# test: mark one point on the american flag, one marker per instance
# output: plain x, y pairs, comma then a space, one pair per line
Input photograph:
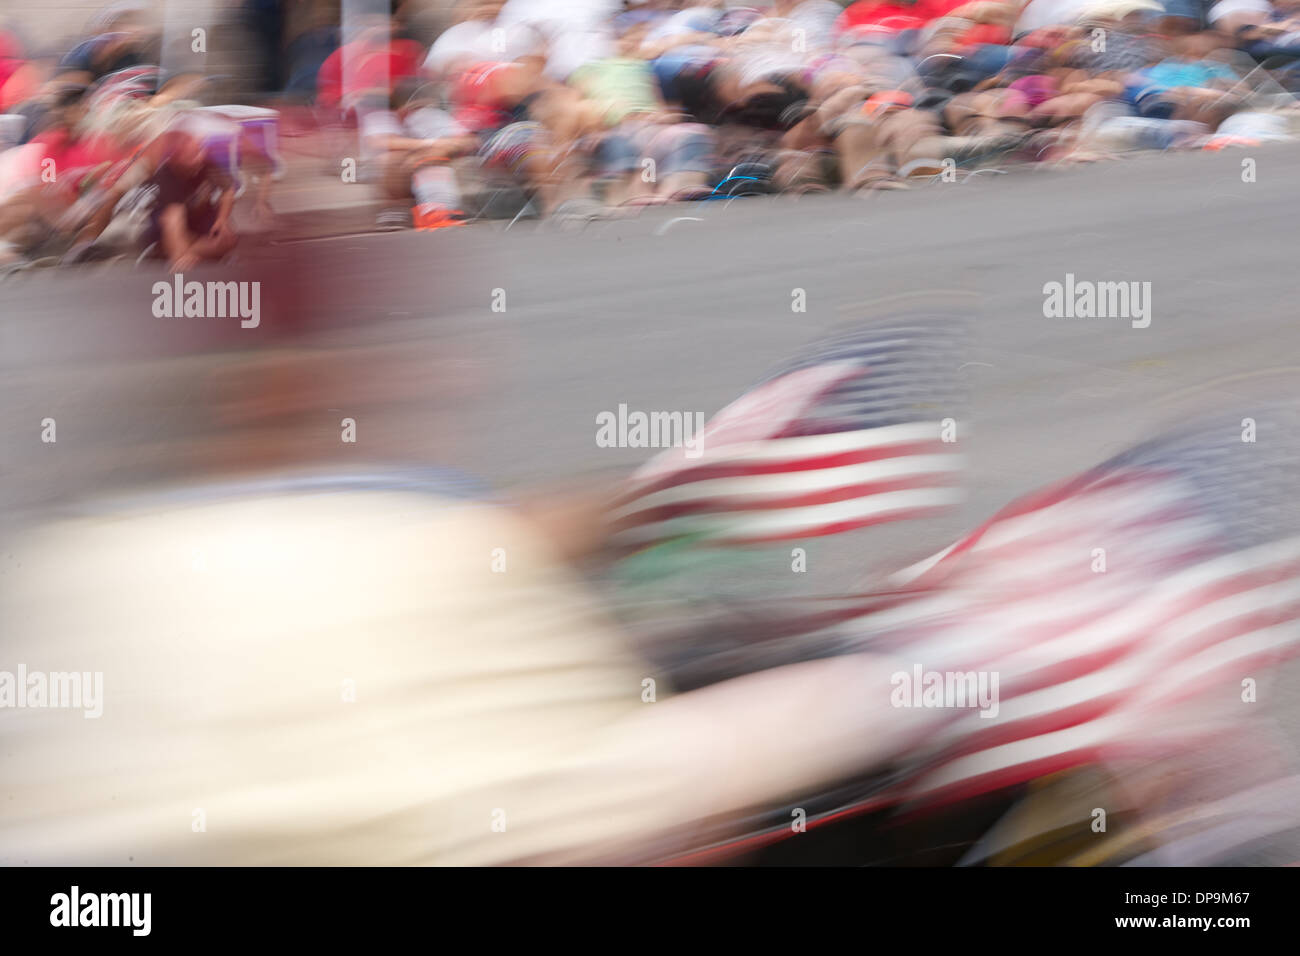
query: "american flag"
1121, 610
852, 433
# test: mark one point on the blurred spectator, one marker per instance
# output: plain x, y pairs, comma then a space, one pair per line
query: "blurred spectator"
190, 222
590, 104
380, 60
120, 40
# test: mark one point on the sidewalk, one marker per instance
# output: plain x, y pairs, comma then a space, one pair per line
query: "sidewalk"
312, 199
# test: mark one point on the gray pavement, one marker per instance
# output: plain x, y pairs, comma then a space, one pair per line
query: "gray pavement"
665, 314
682, 308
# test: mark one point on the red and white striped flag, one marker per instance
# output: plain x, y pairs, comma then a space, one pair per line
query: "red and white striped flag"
851, 434
1120, 612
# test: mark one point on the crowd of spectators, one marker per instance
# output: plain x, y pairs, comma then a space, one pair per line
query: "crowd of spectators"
594, 105
605, 103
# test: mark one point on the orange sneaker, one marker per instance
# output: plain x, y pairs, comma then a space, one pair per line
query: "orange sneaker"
429, 216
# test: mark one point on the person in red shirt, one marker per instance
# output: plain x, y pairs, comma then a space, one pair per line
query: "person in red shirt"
19, 78
77, 159
381, 61
893, 14
72, 169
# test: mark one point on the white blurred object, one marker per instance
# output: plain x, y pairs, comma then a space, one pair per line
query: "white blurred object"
1262, 127
11, 129
1225, 8
1048, 13
481, 41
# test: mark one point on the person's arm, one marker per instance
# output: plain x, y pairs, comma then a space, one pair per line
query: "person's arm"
462, 144
653, 49
457, 145
789, 730
176, 238
401, 144
224, 208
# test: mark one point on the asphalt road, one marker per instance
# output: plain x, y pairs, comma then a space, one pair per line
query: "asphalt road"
682, 308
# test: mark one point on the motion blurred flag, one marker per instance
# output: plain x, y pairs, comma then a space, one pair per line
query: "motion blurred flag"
1120, 611
859, 430
1117, 618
